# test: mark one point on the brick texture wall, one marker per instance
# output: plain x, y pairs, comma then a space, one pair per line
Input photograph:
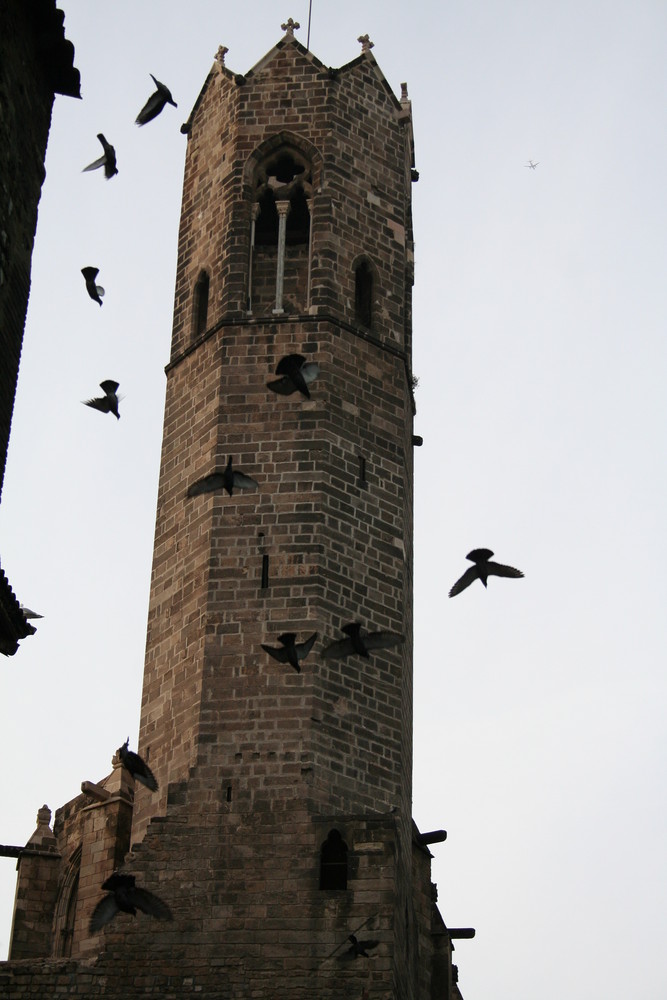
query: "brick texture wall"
338, 551
249, 917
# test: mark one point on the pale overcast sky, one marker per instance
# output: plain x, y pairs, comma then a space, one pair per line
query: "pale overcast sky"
540, 322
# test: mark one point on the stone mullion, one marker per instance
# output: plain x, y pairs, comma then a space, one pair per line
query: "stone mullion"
282, 208
309, 203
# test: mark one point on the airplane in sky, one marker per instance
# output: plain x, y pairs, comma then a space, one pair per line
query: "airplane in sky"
531, 165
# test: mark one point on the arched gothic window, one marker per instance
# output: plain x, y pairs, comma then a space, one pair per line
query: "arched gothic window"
280, 232
283, 177
333, 862
63, 924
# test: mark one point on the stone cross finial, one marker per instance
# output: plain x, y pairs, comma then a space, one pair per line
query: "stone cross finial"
289, 27
366, 43
221, 53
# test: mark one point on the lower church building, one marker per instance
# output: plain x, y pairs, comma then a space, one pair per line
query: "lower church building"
270, 850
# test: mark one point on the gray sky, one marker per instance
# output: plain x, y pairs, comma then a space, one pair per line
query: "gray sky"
539, 342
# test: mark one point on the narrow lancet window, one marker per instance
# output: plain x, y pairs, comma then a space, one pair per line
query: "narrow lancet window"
298, 220
266, 226
363, 294
333, 862
201, 304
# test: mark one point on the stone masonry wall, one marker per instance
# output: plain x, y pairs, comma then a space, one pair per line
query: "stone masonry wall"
36, 892
175, 638
249, 918
337, 552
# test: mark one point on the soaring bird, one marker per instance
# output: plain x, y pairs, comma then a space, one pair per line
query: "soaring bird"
137, 767
227, 479
124, 896
109, 402
155, 103
95, 291
358, 643
360, 947
482, 570
292, 651
297, 374
108, 160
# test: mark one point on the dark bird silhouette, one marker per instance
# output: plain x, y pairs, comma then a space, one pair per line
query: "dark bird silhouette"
137, 767
297, 374
155, 103
358, 948
361, 644
95, 291
126, 897
108, 160
227, 479
109, 402
292, 651
482, 570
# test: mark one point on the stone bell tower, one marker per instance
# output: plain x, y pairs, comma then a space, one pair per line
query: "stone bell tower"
282, 824
295, 238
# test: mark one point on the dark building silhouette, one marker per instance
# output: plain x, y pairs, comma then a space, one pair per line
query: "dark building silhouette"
36, 62
282, 823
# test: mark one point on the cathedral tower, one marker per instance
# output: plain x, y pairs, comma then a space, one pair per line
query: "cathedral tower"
282, 824
295, 239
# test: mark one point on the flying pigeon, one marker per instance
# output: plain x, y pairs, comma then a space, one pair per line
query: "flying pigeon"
356, 643
292, 651
297, 374
226, 480
95, 291
109, 402
137, 767
108, 161
155, 103
482, 570
360, 947
124, 896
